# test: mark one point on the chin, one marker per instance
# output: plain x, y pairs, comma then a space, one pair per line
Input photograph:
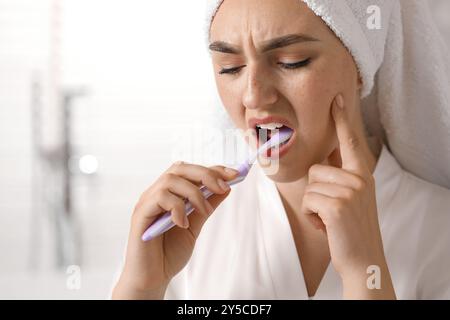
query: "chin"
289, 168
285, 175
293, 165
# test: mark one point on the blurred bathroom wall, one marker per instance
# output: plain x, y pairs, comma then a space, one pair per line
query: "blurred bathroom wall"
108, 84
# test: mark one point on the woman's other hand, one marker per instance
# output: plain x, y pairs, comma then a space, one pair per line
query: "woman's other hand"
340, 199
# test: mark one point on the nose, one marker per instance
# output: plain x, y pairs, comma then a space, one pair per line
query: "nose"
260, 91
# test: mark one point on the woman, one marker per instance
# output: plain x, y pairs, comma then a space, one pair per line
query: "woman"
339, 219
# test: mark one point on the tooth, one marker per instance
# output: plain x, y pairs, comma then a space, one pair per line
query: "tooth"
270, 126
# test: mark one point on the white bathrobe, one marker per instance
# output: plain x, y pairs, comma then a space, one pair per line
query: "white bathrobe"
246, 249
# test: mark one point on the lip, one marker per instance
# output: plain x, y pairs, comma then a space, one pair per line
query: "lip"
277, 153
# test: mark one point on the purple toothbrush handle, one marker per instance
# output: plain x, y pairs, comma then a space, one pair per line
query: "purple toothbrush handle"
164, 222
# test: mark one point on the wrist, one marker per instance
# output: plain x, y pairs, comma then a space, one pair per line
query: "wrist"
127, 290
368, 281
359, 266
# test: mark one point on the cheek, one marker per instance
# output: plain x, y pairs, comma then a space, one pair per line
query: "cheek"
229, 95
311, 97
311, 94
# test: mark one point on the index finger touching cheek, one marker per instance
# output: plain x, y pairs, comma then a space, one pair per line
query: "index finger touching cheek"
349, 140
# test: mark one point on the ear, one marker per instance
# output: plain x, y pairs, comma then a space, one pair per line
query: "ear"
360, 83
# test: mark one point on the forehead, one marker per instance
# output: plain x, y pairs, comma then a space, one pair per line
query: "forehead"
263, 19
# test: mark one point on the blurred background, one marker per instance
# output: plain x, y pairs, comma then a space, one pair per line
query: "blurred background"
95, 97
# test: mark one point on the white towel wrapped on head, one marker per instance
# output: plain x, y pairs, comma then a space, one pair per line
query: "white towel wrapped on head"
406, 77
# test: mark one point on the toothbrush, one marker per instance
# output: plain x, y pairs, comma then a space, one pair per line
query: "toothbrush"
164, 222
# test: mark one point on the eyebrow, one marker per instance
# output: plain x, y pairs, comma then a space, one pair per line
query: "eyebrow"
272, 44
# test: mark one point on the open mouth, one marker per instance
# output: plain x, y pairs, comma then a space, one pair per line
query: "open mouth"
264, 132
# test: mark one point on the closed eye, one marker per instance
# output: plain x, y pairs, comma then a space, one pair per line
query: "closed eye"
288, 66
295, 65
231, 70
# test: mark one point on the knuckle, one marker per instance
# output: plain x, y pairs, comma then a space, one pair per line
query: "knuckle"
216, 168
211, 173
159, 194
143, 199
339, 208
313, 169
212, 181
360, 184
168, 178
311, 187
178, 206
306, 198
353, 142
195, 195
178, 163
349, 194
203, 171
137, 206
176, 166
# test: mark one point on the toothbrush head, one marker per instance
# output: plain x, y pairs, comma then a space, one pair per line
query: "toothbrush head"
282, 135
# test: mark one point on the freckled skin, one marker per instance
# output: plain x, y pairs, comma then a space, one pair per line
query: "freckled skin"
262, 87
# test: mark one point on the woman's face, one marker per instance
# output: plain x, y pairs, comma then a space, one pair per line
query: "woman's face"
294, 80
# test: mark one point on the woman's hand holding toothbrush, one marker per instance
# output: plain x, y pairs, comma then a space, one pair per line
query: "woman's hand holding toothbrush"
149, 266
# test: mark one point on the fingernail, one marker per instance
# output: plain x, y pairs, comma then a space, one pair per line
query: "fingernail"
223, 185
340, 101
231, 171
185, 222
209, 207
